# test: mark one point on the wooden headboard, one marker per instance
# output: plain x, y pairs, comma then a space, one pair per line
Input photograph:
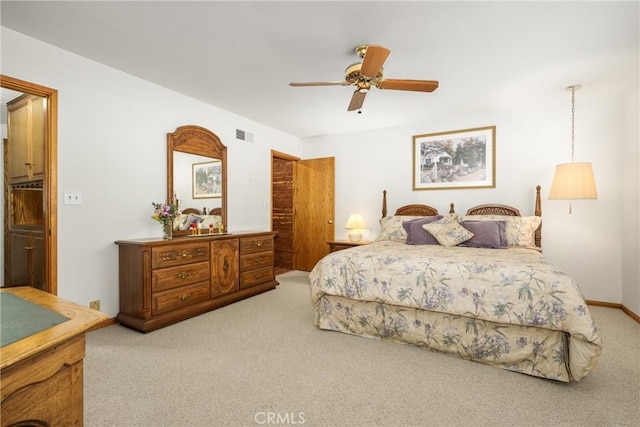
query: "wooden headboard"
488, 209
214, 211
411, 210
497, 209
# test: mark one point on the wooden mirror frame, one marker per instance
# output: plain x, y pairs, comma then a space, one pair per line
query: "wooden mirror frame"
202, 142
50, 178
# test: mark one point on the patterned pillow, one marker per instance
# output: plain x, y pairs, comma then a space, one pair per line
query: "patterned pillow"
190, 220
207, 220
391, 228
416, 235
448, 231
520, 229
178, 221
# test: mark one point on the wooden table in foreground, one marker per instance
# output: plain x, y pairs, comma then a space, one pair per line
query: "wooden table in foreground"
41, 375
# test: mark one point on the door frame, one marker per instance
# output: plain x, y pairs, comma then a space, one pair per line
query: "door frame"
50, 178
296, 175
286, 157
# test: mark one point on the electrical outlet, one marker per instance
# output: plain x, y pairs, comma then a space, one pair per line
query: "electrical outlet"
94, 305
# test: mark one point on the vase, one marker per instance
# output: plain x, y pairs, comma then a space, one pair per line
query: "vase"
167, 231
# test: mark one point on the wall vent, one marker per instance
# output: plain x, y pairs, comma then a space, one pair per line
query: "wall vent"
244, 136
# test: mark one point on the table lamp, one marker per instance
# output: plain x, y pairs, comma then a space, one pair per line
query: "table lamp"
355, 225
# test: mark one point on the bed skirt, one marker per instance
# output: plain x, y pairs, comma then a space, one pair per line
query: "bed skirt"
533, 351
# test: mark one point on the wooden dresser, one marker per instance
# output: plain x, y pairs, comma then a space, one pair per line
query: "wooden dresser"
165, 281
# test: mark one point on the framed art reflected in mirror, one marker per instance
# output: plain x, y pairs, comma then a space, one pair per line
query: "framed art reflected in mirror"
207, 180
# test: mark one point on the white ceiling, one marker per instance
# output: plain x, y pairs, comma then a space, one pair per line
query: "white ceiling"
240, 56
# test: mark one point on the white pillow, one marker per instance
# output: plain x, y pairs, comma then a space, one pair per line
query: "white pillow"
520, 229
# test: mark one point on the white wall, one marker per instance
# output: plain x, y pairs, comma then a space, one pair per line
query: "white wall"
631, 205
530, 142
112, 146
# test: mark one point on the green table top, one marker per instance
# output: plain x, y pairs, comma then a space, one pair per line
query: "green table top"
20, 318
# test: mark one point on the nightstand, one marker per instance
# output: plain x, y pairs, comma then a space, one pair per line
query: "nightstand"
338, 245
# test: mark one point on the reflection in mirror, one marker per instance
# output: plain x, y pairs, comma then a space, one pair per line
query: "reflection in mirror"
190, 178
196, 176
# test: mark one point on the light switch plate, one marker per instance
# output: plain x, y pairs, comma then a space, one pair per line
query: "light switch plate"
72, 197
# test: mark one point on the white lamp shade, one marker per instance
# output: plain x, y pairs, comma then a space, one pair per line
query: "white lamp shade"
573, 181
355, 221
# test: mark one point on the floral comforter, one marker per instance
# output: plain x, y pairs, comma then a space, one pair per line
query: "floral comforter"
514, 297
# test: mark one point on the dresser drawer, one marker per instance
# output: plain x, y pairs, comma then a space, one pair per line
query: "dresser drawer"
182, 275
169, 256
256, 244
178, 298
259, 259
255, 277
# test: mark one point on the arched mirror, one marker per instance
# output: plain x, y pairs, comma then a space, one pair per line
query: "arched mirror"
197, 177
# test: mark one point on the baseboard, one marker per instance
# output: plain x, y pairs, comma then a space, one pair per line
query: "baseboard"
104, 324
622, 307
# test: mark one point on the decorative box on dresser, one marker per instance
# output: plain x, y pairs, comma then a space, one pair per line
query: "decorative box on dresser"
165, 281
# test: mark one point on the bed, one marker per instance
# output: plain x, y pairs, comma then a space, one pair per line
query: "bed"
495, 300
202, 218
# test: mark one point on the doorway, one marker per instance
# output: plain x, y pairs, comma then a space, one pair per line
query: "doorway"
302, 209
35, 192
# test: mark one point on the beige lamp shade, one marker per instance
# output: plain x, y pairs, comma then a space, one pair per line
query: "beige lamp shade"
573, 181
355, 224
355, 221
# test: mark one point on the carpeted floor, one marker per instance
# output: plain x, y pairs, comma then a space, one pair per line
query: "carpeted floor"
262, 361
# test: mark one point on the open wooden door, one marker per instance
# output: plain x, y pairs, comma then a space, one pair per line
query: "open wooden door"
42, 264
314, 210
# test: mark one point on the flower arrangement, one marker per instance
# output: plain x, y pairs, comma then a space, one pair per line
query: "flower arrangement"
165, 213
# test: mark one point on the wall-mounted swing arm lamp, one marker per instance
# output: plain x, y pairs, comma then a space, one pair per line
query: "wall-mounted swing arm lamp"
574, 180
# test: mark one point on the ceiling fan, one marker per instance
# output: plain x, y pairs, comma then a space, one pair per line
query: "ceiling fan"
368, 73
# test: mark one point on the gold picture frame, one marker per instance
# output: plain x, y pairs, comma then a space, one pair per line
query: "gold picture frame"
456, 159
207, 180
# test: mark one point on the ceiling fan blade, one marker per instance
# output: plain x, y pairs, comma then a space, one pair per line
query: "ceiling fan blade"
357, 100
319, 84
414, 85
373, 60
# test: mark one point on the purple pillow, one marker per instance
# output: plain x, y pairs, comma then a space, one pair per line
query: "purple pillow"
416, 235
486, 234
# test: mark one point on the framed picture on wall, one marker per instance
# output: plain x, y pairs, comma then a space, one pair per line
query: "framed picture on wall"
455, 159
207, 180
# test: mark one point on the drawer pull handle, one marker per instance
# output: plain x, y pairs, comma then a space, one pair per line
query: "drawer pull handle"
259, 243
184, 253
184, 275
184, 297
29, 248
226, 267
258, 276
258, 260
